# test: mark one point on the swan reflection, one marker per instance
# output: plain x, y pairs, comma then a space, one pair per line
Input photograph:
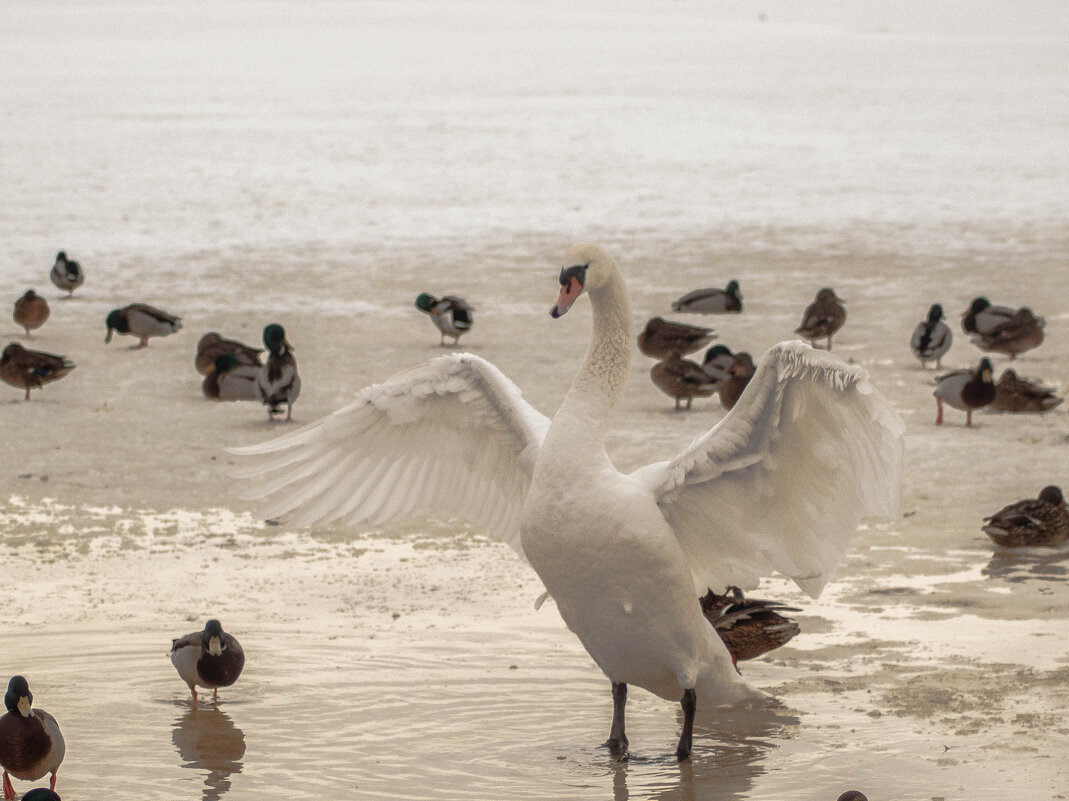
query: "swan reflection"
208, 740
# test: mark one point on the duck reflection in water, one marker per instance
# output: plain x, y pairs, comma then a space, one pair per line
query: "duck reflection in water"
741, 737
207, 740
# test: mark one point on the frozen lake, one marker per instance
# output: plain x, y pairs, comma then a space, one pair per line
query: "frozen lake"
320, 164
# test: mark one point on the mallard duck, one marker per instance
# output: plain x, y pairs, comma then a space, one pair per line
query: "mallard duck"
932, 337
31, 311
711, 301
452, 315
41, 794
210, 658
31, 743
1023, 331
853, 795
1013, 394
718, 362
981, 317
142, 320
823, 317
619, 554
749, 627
67, 273
231, 380
278, 381
1042, 521
661, 338
965, 390
739, 375
681, 378
30, 369
211, 346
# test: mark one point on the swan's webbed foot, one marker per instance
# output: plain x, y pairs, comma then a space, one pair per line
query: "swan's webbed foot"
689, 702
617, 742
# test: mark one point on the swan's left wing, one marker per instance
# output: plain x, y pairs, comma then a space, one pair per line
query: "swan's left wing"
782, 481
454, 436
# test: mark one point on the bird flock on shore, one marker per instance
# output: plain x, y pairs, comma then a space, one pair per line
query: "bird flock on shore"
31, 745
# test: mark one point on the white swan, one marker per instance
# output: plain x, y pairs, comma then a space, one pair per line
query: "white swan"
778, 485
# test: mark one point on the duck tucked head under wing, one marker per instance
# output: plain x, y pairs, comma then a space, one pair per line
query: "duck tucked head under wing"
454, 435
781, 482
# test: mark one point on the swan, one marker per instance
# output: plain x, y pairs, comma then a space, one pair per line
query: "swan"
778, 485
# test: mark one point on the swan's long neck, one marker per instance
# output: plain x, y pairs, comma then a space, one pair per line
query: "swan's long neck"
600, 381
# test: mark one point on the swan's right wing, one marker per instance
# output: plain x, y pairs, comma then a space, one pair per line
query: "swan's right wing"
454, 436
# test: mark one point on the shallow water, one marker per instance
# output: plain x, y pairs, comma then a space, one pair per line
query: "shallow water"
254, 162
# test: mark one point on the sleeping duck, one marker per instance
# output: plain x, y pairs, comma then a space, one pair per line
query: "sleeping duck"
681, 378
749, 627
718, 362
661, 338
1013, 394
452, 315
981, 317
278, 382
143, 321
965, 390
823, 317
31, 311
31, 743
211, 346
711, 301
30, 369
231, 380
67, 273
1042, 521
210, 658
1023, 331
932, 337
742, 370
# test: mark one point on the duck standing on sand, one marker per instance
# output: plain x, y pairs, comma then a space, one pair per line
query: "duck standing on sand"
1013, 394
31, 311
67, 273
143, 321
965, 390
31, 743
1042, 521
681, 378
981, 317
452, 315
620, 554
210, 658
932, 337
230, 380
661, 338
278, 382
1019, 333
711, 301
749, 627
211, 346
823, 317
30, 369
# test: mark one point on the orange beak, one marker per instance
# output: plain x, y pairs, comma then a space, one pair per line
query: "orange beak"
568, 293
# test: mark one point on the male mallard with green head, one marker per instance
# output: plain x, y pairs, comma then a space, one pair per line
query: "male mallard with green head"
66, 273
711, 301
965, 390
210, 658
452, 315
932, 337
31, 743
211, 346
278, 382
142, 321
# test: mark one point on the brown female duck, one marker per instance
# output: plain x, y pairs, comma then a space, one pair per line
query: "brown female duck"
1014, 394
211, 346
31, 311
740, 374
1042, 521
823, 317
1016, 335
30, 369
660, 338
749, 627
681, 378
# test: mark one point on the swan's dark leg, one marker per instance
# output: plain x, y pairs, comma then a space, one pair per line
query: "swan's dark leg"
617, 741
689, 703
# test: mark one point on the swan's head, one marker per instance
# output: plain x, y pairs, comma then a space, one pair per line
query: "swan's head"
586, 268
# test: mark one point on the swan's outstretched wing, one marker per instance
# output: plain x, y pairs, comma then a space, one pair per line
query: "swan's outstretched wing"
781, 482
452, 436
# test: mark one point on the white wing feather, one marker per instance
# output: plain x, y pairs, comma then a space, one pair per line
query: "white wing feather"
782, 481
453, 436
